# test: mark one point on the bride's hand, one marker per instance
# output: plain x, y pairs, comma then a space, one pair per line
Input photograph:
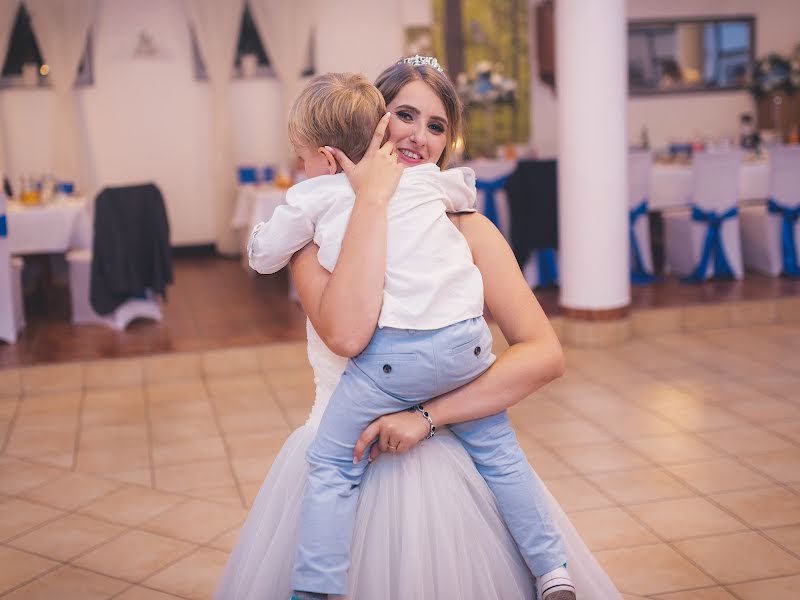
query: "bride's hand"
395, 433
377, 174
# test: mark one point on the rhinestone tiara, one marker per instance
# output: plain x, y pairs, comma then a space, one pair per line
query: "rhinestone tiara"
418, 61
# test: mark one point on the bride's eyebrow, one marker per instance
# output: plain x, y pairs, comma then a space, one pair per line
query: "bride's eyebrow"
415, 110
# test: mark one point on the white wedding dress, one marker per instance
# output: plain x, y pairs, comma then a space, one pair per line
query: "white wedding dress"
427, 527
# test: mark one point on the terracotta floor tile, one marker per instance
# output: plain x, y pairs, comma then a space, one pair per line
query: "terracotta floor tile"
130, 505
194, 576
113, 373
675, 449
788, 429
685, 518
111, 460
121, 435
766, 410
184, 428
34, 442
19, 567
667, 570
256, 444
609, 528
634, 424
703, 417
18, 476
565, 433
227, 541
763, 507
788, 537
10, 383
192, 390
172, 367
231, 361
52, 378
746, 441
187, 451
641, 485
720, 475
196, 521
69, 583
597, 458
66, 537
715, 593
782, 588
576, 493
783, 465
538, 409
182, 478
739, 557
138, 592
134, 556
17, 516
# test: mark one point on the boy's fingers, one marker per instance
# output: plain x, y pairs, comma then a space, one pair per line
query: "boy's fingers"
374, 452
366, 438
380, 130
346, 164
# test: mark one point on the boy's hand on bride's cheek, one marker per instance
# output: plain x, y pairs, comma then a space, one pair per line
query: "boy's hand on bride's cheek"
396, 433
377, 174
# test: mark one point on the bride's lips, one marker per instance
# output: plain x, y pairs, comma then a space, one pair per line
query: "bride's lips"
409, 157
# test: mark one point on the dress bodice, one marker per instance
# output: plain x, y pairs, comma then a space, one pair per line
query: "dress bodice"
328, 368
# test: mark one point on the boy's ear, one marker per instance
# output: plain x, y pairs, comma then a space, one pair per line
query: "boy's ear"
333, 166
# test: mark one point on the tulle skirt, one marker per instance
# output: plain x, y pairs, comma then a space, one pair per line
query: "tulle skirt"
427, 528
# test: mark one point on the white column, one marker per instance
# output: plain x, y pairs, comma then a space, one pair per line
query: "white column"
591, 82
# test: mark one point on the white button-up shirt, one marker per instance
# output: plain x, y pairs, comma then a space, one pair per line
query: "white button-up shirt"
430, 280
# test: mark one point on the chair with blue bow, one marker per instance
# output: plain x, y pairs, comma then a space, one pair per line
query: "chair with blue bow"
639, 163
490, 180
12, 309
703, 240
533, 199
771, 231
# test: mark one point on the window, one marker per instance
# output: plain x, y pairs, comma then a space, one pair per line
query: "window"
23, 50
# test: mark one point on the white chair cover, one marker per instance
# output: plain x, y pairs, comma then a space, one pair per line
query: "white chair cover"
715, 188
639, 165
12, 311
762, 230
80, 277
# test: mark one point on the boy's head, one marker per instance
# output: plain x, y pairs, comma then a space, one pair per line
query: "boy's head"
335, 109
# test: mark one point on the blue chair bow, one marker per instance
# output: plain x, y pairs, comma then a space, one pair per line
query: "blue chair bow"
712, 244
248, 175
548, 269
489, 187
788, 241
3, 227
639, 274
65, 187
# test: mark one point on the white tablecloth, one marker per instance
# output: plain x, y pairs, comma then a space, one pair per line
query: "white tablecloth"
56, 227
671, 185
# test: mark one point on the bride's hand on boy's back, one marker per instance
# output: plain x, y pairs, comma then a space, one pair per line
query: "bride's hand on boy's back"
375, 177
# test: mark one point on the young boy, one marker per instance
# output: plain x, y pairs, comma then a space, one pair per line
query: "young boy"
431, 336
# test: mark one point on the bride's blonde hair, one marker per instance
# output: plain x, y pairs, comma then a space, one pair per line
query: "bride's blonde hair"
393, 79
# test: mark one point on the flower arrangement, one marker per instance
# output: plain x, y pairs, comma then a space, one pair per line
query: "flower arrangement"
776, 73
486, 85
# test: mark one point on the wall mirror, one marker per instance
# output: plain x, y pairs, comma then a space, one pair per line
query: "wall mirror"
689, 55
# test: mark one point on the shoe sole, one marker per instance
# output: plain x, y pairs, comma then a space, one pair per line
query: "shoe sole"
561, 595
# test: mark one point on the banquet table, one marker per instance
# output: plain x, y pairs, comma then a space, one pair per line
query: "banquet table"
54, 227
253, 205
671, 185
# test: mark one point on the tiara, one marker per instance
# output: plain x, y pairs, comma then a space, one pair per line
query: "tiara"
419, 61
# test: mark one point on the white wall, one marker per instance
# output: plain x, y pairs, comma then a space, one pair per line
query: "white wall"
681, 116
150, 120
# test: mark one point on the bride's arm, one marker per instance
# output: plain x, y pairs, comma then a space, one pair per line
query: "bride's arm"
534, 356
345, 308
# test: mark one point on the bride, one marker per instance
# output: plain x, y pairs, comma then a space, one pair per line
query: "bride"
427, 527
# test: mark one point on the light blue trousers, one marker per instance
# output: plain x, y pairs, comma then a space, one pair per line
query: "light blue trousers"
398, 369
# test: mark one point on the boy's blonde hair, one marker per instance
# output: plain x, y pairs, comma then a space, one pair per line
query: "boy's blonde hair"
339, 110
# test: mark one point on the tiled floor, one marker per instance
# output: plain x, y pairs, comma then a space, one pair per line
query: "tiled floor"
214, 303
676, 456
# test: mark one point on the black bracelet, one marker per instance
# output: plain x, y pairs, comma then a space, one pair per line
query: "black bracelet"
419, 408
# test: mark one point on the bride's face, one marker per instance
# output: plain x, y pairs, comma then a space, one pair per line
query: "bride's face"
418, 127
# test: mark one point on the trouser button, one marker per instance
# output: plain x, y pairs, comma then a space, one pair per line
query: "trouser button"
477, 350
387, 368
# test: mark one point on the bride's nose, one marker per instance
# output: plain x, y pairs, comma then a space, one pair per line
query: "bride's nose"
418, 136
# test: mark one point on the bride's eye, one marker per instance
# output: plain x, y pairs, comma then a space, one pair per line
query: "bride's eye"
405, 116
436, 127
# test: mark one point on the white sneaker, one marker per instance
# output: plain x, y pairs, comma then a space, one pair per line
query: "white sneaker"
555, 585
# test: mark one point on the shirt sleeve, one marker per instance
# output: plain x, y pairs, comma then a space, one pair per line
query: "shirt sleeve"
273, 243
458, 185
